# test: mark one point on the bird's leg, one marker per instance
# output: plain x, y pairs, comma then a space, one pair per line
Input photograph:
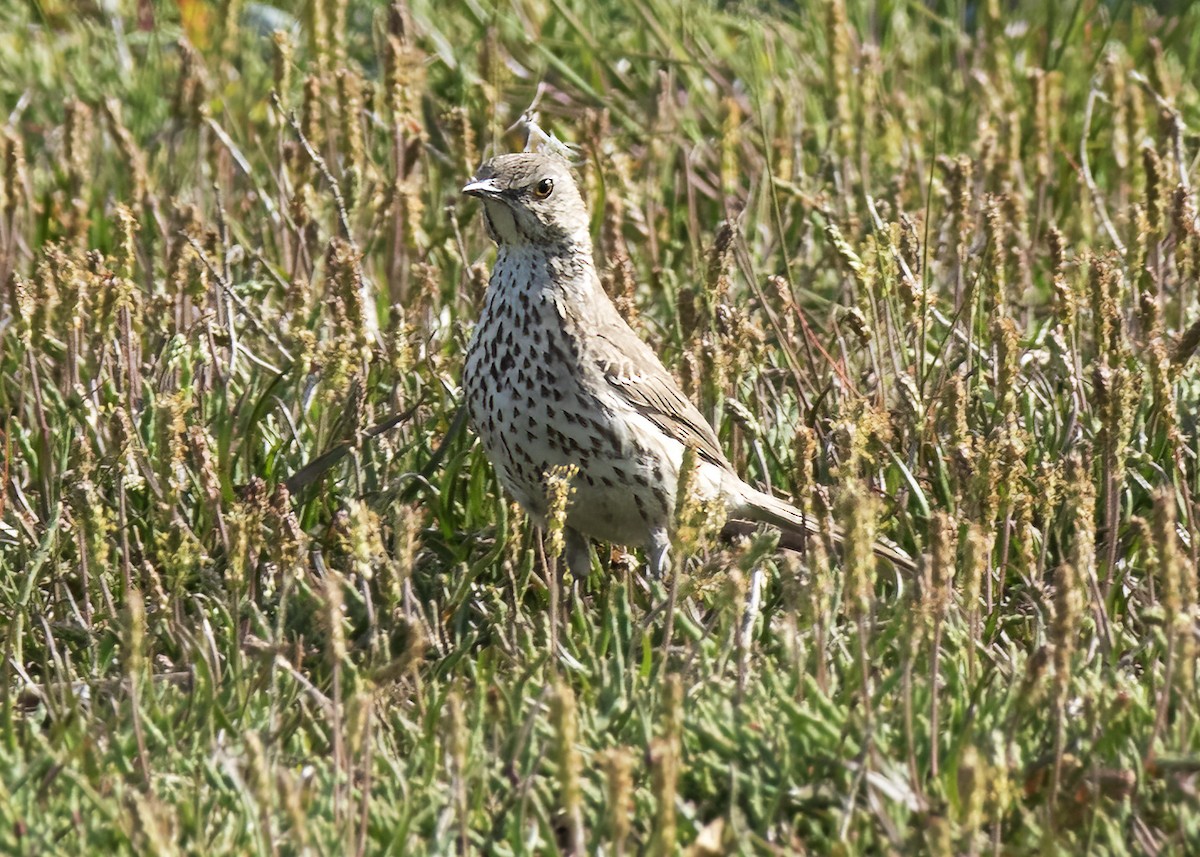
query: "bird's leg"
578, 554
658, 553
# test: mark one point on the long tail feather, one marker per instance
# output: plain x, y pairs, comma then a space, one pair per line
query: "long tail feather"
791, 521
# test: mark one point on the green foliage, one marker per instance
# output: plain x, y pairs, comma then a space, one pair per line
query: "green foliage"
944, 256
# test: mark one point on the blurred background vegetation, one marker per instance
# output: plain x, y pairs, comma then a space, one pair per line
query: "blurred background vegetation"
930, 267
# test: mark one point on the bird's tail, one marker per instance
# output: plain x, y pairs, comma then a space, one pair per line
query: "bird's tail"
791, 521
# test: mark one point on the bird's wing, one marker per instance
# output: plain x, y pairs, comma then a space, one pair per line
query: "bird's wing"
634, 371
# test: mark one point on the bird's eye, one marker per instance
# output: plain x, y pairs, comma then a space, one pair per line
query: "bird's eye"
544, 188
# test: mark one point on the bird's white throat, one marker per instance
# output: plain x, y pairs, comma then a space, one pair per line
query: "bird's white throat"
501, 222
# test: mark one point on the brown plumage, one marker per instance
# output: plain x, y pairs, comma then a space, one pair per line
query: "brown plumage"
554, 376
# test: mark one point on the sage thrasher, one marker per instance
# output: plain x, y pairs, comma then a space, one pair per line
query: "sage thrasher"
554, 376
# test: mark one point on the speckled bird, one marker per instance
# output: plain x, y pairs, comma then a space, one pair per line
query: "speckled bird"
555, 376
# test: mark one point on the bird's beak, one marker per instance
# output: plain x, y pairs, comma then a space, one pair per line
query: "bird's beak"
483, 188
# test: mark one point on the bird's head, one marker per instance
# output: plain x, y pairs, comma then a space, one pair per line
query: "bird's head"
530, 199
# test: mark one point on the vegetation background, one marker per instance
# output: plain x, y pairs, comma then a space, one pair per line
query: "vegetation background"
931, 267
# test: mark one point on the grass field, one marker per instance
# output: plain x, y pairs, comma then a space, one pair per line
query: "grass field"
931, 268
